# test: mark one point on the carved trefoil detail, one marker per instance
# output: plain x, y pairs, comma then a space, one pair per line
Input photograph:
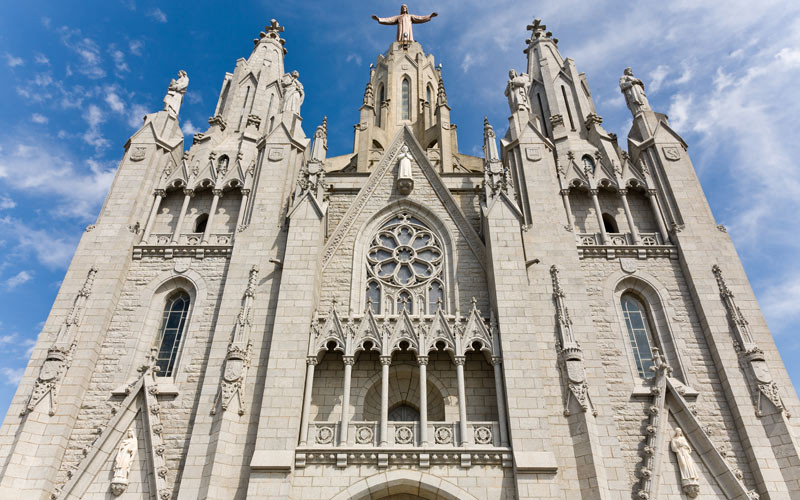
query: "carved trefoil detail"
59, 355
751, 357
237, 359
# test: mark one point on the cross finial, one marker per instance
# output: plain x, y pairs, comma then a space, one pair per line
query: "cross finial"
274, 27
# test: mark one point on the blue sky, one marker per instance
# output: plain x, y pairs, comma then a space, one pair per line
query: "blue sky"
76, 79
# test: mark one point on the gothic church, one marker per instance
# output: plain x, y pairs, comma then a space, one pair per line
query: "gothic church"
250, 318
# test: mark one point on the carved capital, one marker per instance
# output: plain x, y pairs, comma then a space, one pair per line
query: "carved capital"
188, 192
312, 360
422, 360
459, 360
349, 360
160, 192
386, 360
217, 193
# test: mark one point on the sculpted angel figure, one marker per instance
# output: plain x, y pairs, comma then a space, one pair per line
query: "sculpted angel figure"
517, 91
633, 90
293, 93
404, 22
174, 97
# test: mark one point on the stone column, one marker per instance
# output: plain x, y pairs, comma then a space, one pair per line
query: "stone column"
603, 235
311, 362
567, 207
385, 362
349, 361
651, 193
423, 400
176, 235
242, 208
158, 196
211, 213
462, 400
501, 401
623, 195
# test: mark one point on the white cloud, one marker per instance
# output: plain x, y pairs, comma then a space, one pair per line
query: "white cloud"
467, 62
657, 77
37, 118
136, 116
13, 62
135, 46
194, 97
6, 203
189, 128
94, 116
18, 279
12, 376
679, 111
41, 59
353, 57
119, 59
87, 49
114, 102
157, 15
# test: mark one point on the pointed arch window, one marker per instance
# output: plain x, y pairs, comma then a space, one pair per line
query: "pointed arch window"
381, 100
610, 224
173, 324
639, 333
200, 223
406, 100
428, 97
588, 163
405, 265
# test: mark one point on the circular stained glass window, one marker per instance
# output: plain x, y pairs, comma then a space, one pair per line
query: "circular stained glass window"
404, 253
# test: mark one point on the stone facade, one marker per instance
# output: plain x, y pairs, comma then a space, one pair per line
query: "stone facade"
250, 318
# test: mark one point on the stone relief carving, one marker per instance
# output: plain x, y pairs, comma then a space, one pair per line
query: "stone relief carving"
495, 175
671, 153
175, 93
138, 153
123, 461
59, 355
656, 412
689, 475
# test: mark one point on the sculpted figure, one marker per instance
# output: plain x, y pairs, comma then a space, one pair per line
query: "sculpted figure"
633, 90
517, 91
123, 461
404, 22
293, 93
175, 93
689, 475
405, 181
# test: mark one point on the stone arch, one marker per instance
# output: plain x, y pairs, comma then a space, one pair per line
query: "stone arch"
403, 482
364, 236
403, 387
654, 295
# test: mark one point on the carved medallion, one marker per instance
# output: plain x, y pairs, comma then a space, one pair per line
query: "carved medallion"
533, 153
575, 370
275, 154
138, 153
403, 435
761, 371
443, 435
364, 435
483, 435
672, 153
50, 370
628, 265
324, 435
233, 370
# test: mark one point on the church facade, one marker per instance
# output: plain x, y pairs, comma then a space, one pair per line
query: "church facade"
251, 318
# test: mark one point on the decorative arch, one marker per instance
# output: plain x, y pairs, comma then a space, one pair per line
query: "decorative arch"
653, 294
405, 98
395, 482
364, 237
372, 385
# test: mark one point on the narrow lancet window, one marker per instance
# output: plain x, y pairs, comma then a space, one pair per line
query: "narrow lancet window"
374, 296
406, 100
173, 324
639, 335
381, 100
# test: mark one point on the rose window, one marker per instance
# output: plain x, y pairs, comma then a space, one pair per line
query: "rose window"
404, 257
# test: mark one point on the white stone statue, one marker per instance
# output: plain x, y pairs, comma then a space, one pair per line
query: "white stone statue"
517, 91
404, 22
175, 93
405, 181
293, 93
689, 475
123, 461
633, 90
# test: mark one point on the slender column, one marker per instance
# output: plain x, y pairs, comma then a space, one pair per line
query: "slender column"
462, 400
603, 235
210, 222
423, 400
158, 195
651, 193
242, 208
568, 208
385, 362
188, 193
501, 401
623, 195
349, 361
311, 362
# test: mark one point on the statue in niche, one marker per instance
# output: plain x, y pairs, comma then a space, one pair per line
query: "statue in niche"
405, 181
689, 475
633, 90
175, 93
404, 21
123, 461
517, 91
293, 93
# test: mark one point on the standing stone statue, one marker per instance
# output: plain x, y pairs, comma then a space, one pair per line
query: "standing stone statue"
633, 90
175, 93
405, 180
517, 91
123, 461
689, 475
293, 93
404, 22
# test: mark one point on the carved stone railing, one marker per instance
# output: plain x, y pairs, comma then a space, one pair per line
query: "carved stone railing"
189, 244
622, 245
403, 434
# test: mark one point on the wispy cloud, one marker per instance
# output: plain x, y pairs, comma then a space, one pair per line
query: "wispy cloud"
353, 57
119, 59
13, 62
6, 203
114, 102
157, 15
136, 115
189, 128
37, 118
18, 279
136, 46
94, 116
12, 376
87, 49
41, 59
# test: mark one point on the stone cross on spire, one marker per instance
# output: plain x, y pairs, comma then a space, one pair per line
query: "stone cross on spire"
273, 32
538, 29
404, 21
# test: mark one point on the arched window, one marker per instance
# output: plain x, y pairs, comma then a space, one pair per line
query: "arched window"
173, 324
428, 95
381, 100
405, 262
588, 163
406, 100
200, 223
374, 296
639, 334
403, 413
610, 224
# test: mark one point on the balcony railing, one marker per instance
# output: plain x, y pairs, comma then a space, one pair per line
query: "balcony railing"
622, 244
403, 434
189, 244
